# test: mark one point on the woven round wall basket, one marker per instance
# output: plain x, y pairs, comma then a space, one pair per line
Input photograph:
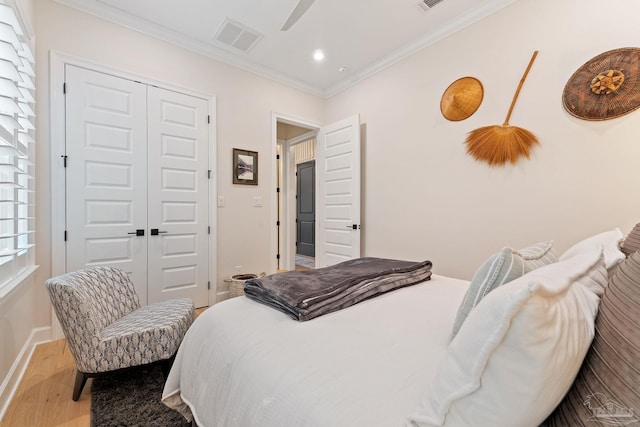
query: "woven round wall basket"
236, 283
606, 87
461, 99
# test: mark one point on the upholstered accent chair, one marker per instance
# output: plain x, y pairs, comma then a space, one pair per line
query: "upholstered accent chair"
107, 329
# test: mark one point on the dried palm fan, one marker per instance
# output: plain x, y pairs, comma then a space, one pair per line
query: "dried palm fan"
497, 144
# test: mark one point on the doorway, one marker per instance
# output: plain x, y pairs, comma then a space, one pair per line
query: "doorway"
295, 221
337, 191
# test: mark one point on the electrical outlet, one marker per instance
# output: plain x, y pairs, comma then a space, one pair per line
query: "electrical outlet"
257, 202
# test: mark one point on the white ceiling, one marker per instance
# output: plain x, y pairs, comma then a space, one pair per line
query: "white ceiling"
363, 36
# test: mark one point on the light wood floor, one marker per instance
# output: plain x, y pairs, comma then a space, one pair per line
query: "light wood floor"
43, 398
44, 394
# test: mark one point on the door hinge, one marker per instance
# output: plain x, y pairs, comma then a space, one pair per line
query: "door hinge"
209, 174
64, 88
208, 119
278, 223
278, 256
277, 189
65, 235
64, 159
208, 229
208, 285
277, 156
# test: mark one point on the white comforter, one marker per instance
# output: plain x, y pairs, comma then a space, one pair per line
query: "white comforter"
245, 364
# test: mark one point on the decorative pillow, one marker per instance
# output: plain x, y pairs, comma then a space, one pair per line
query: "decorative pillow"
519, 351
632, 243
606, 388
611, 242
500, 268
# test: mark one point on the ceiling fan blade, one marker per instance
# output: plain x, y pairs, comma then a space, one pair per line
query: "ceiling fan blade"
297, 13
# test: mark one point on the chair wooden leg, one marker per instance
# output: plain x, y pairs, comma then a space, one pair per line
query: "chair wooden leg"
166, 365
81, 380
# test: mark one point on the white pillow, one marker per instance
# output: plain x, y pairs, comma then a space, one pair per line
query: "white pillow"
501, 268
611, 240
519, 350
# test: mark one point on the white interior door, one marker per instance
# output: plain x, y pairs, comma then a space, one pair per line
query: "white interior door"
178, 196
338, 192
106, 175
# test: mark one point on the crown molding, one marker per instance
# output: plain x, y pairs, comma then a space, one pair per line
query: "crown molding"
117, 16
420, 44
161, 32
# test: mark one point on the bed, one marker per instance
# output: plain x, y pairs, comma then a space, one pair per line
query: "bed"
394, 360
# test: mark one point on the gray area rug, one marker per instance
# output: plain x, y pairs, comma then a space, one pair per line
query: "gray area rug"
132, 399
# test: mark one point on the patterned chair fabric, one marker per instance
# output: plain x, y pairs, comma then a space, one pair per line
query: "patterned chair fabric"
106, 327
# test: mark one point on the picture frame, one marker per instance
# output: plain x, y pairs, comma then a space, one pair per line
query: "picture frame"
245, 167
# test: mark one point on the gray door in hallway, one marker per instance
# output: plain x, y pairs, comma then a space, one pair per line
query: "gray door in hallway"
306, 208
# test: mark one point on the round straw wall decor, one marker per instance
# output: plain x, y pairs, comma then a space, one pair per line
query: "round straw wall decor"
606, 87
461, 99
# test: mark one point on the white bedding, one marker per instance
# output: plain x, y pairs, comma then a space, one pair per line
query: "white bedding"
245, 364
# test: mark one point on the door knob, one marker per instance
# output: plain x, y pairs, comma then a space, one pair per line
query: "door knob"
138, 232
155, 232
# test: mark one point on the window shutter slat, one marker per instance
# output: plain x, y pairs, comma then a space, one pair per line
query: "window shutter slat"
8, 51
8, 16
26, 53
8, 35
27, 96
25, 81
10, 88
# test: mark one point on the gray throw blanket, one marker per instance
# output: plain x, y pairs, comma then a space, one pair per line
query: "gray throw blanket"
306, 294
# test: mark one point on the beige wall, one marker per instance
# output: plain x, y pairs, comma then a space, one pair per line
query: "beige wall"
286, 131
455, 211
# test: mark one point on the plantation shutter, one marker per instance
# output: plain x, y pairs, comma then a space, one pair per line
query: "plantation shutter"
17, 144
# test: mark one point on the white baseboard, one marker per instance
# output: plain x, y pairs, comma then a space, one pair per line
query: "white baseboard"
14, 376
221, 296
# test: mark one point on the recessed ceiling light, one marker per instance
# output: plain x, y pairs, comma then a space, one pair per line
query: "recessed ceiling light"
342, 69
318, 55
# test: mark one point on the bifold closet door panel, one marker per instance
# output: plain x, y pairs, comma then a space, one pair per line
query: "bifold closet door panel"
106, 173
178, 183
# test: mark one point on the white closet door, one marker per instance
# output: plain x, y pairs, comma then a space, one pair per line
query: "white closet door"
106, 175
338, 192
178, 196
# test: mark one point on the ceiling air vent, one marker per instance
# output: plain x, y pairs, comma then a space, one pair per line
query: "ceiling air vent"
428, 4
237, 35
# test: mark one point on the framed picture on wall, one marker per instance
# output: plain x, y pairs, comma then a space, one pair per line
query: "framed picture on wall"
245, 167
